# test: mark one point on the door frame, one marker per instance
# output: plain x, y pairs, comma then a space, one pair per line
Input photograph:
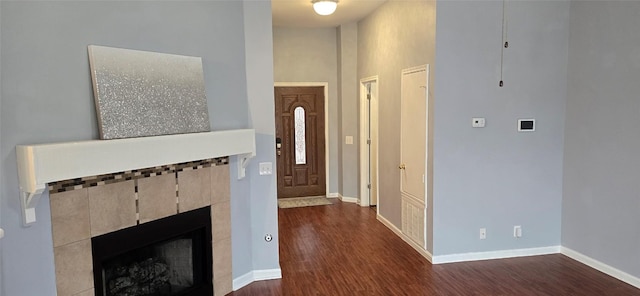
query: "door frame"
325, 85
365, 116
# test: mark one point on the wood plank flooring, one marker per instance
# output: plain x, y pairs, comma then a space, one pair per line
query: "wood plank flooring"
341, 249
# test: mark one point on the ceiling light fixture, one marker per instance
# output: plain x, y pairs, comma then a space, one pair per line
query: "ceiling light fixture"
324, 7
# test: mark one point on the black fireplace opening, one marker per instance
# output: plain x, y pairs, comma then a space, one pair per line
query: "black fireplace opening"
165, 257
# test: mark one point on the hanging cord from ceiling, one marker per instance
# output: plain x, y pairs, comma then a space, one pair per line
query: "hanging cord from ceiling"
505, 43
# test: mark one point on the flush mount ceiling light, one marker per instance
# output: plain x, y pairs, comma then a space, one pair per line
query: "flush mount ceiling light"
324, 7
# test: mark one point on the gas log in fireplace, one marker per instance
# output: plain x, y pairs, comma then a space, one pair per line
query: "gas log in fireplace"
169, 256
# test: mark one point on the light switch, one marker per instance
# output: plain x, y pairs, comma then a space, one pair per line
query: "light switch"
477, 122
348, 140
266, 168
1, 233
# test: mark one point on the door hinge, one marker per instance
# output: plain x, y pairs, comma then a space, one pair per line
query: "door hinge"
368, 96
368, 141
368, 186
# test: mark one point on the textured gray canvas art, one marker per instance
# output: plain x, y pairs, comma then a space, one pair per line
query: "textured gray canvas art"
141, 93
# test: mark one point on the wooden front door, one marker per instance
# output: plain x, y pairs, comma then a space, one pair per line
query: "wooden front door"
300, 141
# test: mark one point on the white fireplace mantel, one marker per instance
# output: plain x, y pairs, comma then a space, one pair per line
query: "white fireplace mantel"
44, 163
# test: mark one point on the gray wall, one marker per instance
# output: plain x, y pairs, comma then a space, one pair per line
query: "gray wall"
398, 35
348, 113
340, 89
264, 205
47, 97
601, 203
310, 55
1, 178
496, 177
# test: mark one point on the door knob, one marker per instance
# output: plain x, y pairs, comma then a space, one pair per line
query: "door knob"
402, 167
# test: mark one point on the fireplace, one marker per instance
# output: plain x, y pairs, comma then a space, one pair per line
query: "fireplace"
166, 257
144, 217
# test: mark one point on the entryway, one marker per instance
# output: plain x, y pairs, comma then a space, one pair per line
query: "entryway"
369, 141
300, 140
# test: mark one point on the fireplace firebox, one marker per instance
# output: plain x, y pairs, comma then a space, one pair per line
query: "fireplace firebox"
165, 257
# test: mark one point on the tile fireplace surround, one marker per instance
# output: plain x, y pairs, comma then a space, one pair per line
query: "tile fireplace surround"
101, 186
91, 206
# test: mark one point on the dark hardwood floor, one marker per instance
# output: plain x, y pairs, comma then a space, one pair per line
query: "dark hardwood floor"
341, 249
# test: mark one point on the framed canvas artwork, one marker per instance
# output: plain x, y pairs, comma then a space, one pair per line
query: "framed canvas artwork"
140, 93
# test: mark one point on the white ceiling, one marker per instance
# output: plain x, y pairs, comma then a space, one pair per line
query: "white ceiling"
299, 13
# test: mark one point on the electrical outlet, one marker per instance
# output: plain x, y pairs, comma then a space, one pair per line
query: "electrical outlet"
517, 231
483, 233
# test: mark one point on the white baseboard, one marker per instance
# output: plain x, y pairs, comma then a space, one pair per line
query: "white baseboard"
475, 256
243, 280
405, 238
256, 275
342, 198
595, 264
347, 199
267, 274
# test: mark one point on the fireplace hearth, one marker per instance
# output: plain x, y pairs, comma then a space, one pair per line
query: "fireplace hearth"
165, 257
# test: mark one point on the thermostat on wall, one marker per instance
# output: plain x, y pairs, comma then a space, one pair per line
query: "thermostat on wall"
526, 125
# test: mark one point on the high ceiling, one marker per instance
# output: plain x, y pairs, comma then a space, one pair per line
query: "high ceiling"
300, 14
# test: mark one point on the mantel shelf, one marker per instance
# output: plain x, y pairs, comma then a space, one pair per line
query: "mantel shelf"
44, 163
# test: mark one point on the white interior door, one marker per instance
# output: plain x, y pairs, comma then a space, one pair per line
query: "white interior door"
413, 141
369, 141
373, 148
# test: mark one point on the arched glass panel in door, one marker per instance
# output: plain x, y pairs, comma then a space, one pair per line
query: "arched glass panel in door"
300, 137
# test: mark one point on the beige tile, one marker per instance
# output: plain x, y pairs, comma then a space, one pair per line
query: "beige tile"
90, 292
157, 197
69, 216
194, 189
74, 268
112, 207
221, 258
223, 286
220, 184
221, 221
